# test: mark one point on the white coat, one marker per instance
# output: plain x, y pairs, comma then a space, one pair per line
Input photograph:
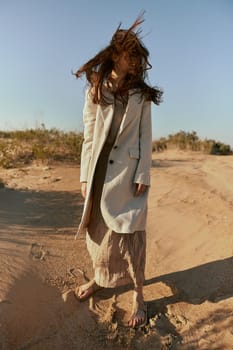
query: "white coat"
129, 162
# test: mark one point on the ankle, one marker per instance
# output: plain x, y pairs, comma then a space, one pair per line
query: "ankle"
138, 294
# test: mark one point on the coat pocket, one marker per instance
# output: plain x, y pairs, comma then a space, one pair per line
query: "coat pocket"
134, 153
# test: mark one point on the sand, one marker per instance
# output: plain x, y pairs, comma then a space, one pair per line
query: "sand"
189, 269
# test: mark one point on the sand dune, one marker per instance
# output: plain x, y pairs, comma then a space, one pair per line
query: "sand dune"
189, 270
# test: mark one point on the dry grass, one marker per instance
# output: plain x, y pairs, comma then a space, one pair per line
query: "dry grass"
190, 141
23, 147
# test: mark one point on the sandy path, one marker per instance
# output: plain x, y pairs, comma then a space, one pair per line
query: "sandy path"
191, 247
189, 279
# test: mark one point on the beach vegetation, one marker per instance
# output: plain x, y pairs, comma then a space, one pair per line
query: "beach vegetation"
22, 147
184, 140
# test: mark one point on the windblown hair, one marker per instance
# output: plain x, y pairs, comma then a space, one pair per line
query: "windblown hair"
99, 68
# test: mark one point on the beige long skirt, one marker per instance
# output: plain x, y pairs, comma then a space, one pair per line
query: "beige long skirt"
117, 258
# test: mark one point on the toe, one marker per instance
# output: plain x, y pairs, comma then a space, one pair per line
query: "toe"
133, 321
136, 320
130, 323
82, 293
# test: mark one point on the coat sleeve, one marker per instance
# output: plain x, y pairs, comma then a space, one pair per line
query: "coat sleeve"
89, 117
142, 174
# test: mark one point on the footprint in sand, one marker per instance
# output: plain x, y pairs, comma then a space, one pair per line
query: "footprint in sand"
37, 251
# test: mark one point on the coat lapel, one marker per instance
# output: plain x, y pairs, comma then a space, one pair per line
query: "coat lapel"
132, 106
107, 114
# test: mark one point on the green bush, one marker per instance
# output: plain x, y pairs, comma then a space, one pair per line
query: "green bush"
220, 149
190, 141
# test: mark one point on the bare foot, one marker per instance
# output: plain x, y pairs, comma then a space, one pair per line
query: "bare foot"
138, 319
139, 312
83, 292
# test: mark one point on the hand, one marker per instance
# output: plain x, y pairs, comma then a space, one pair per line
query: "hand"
84, 189
140, 189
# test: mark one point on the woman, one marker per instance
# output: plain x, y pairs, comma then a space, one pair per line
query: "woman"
115, 165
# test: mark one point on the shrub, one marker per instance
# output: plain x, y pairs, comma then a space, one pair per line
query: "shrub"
220, 149
190, 141
160, 145
24, 146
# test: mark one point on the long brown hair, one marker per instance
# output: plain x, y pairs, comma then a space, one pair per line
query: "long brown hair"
99, 68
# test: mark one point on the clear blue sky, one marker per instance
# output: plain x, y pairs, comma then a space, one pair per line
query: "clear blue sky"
191, 50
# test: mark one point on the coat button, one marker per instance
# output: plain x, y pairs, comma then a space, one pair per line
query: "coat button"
111, 161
